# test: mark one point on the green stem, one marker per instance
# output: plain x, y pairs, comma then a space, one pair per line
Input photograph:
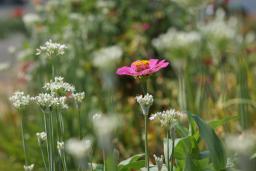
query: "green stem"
23, 142
146, 143
104, 160
79, 121
47, 133
42, 153
168, 149
173, 148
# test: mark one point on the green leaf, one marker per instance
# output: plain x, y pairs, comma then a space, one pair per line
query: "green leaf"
197, 165
216, 123
184, 147
133, 162
217, 153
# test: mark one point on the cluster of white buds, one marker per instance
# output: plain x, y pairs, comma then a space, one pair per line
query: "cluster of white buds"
19, 99
58, 85
168, 117
41, 136
60, 147
78, 97
29, 167
159, 162
145, 102
78, 148
105, 58
49, 49
46, 100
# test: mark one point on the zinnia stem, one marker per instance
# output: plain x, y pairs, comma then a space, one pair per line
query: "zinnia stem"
146, 143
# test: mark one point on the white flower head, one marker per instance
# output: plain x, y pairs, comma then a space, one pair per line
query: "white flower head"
19, 99
51, 49
220, 29
78, 148
30, 19
159, 161
29, 167
145, 102
104, 127
58, 86
96, 116
242, 144
60, 147
168, 117
183, 40
41, 136
46, 100
106, 58
78, 97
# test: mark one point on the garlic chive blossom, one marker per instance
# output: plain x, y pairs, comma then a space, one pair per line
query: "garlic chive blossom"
145, 102
78, 148
29, 167
49, 49
58, 86
78, 97
20, 99
46, 100
168, 117
41, 136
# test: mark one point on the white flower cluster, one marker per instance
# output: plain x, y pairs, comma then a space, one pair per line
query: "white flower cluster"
57, 85
41, 136
30, 19
60, 147
19, 99
219, 29
49, 100
159, 161
168, 117
107, 57
243, 143
78, 148
78, 97
50, 48
190, 3
145, 102
29, 167
174, 39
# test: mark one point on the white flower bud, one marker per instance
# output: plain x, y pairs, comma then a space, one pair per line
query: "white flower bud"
145, 102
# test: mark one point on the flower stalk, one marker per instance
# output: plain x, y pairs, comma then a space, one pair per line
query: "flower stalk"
146, 143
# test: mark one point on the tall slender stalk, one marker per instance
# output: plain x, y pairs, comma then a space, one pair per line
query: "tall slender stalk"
47, 133
168, 148
42, 153
146, 142
23, 142
173, 148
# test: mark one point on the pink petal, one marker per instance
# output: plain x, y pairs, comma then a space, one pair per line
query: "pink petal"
125, 71
153, 62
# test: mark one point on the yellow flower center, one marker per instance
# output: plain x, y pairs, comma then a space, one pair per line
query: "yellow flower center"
141, 65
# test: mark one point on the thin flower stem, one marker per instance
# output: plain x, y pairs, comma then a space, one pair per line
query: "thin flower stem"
79, 121
173, 148
146, 143
23, 142
47, 133
104, 160
42, 153
168, 149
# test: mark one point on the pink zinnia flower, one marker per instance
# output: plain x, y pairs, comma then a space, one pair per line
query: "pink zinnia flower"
142, 67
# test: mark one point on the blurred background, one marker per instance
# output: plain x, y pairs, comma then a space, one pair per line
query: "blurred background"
211, 46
